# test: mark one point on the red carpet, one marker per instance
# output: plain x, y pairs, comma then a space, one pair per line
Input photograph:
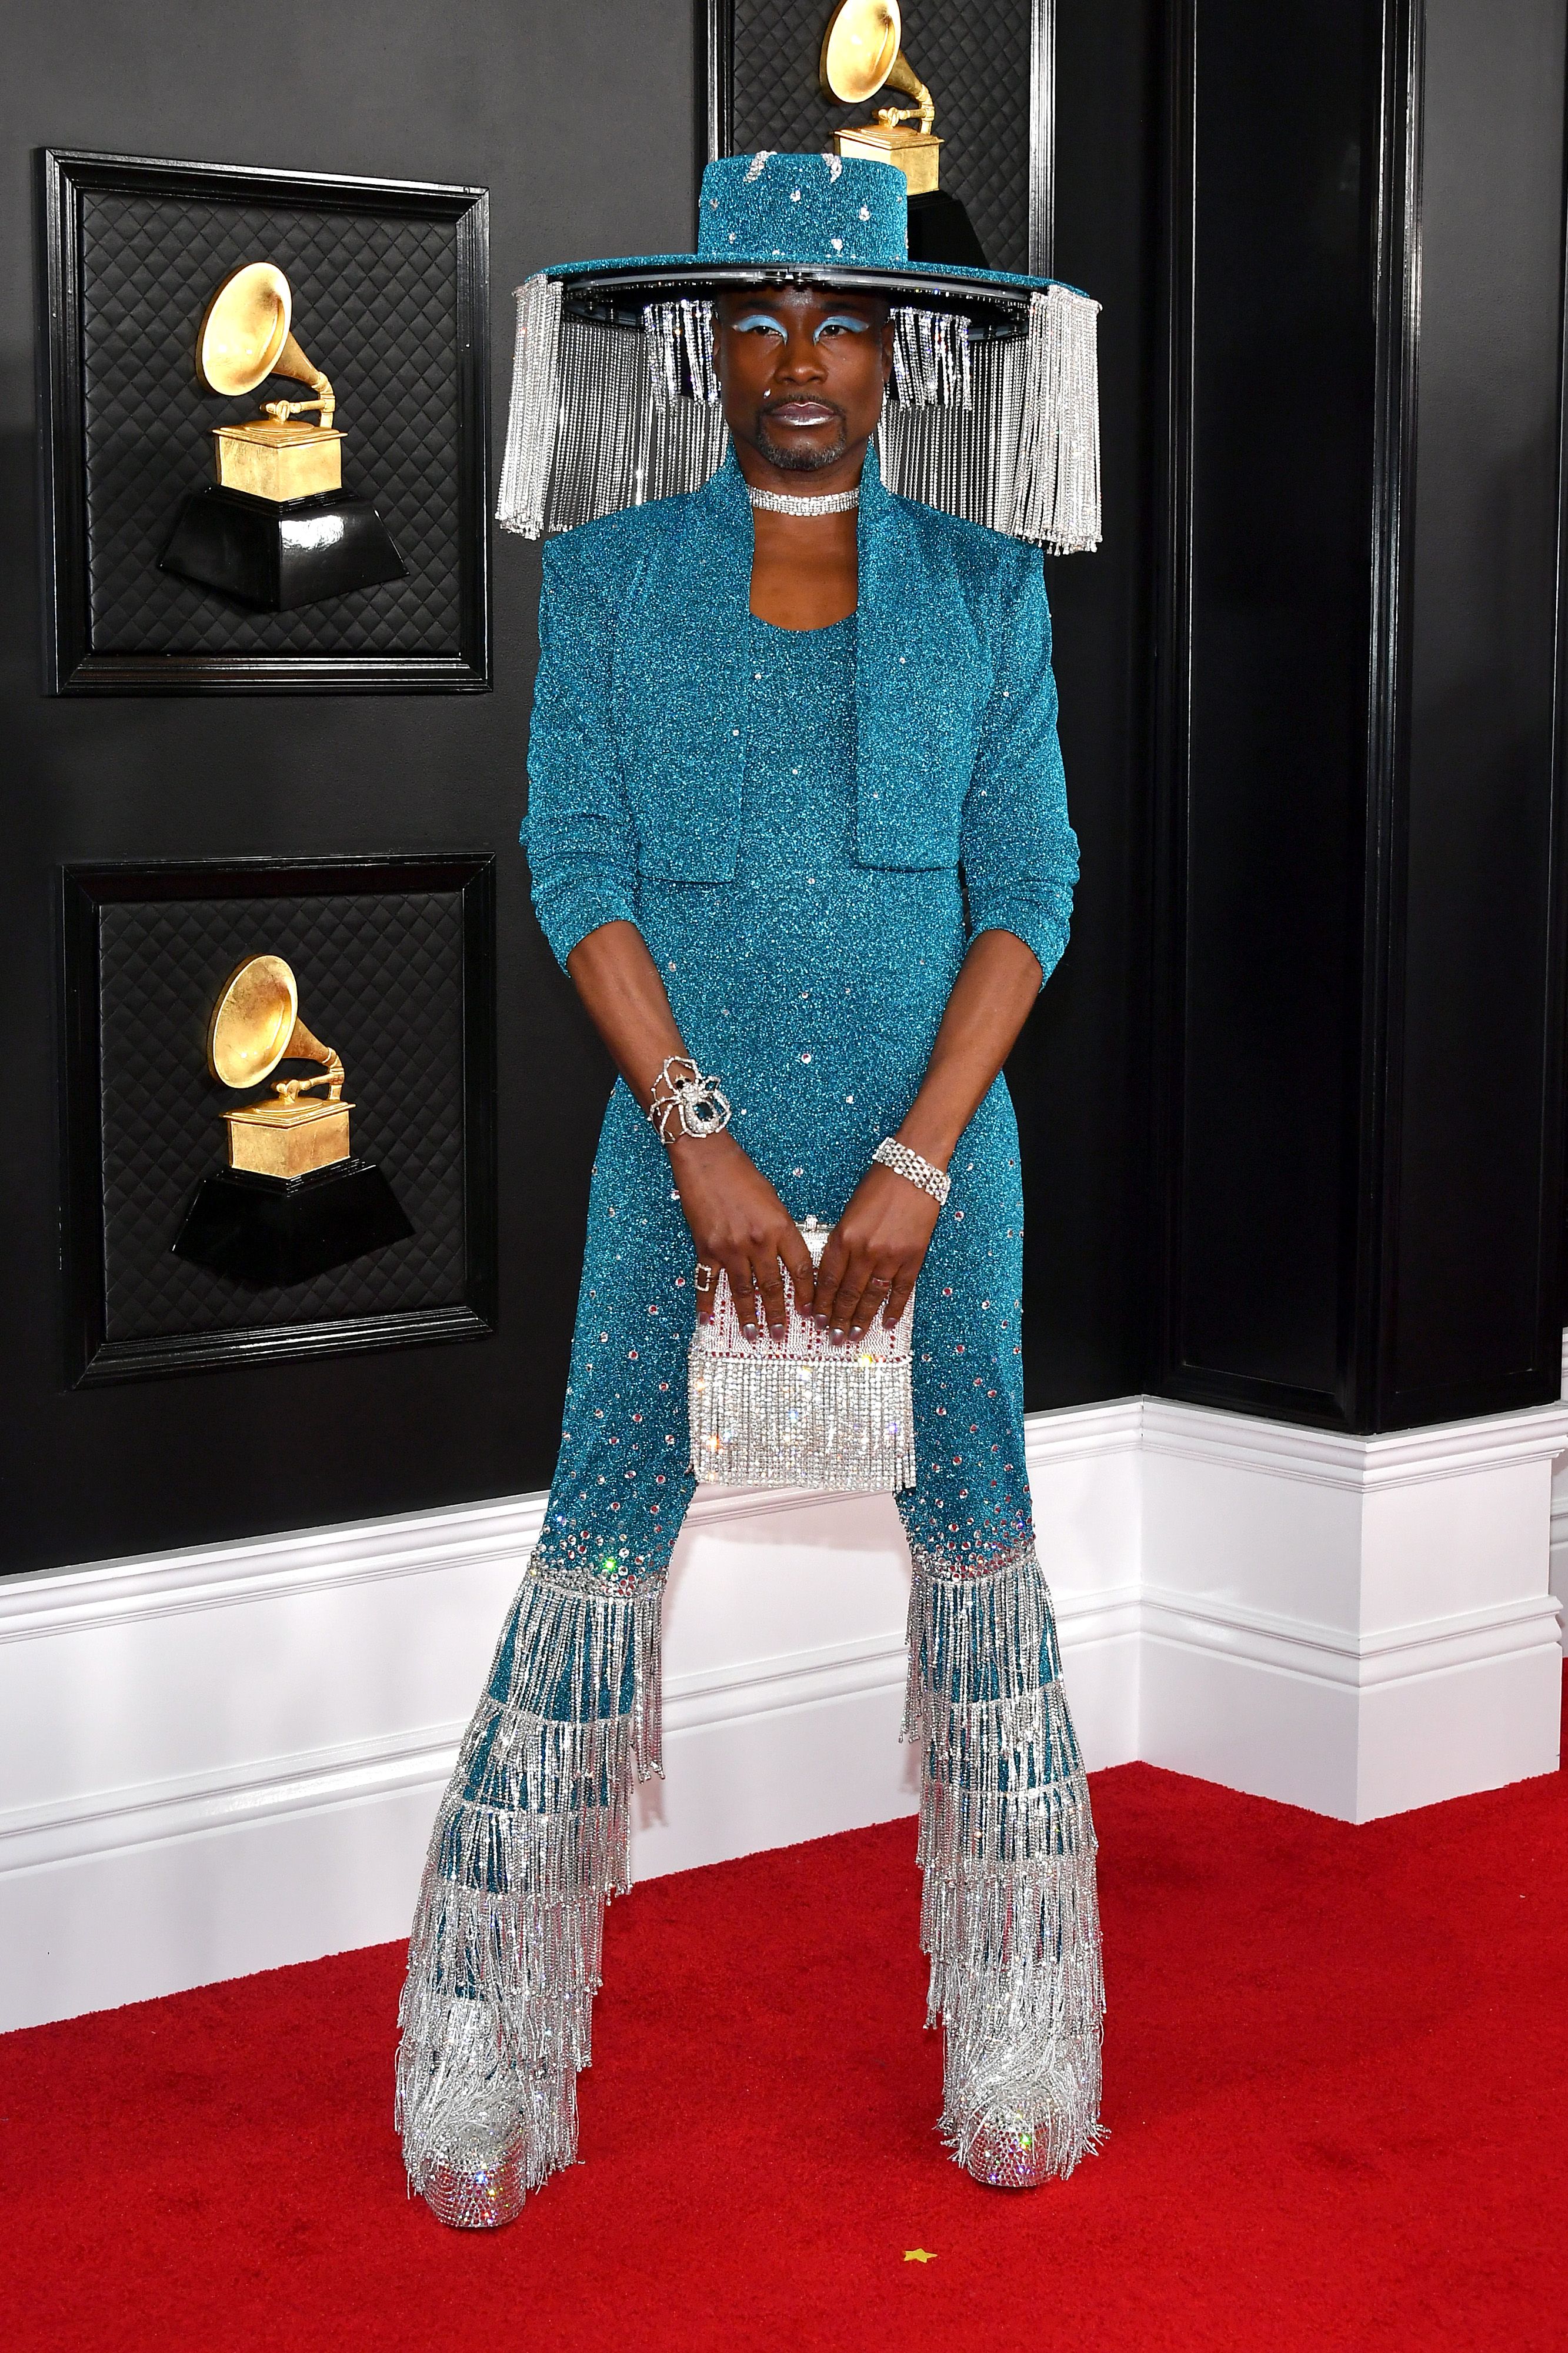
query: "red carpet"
1336, 2078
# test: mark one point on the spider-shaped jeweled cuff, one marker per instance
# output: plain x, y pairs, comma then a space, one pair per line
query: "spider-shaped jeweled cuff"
682, 1095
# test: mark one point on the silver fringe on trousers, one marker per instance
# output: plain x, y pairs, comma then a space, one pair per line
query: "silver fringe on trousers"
1010, 1915
531, 1840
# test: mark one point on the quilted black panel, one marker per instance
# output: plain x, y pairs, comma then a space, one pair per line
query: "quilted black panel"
381, 978
375, 306
976, 63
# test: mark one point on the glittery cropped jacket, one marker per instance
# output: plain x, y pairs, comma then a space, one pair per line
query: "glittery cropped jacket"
637, 750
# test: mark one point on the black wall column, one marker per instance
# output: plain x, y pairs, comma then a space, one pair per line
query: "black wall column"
1359, 1037
1079, 1074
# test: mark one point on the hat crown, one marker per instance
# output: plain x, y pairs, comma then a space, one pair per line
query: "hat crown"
814, 212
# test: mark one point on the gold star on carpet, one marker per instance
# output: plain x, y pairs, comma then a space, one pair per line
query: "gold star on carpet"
919, 2255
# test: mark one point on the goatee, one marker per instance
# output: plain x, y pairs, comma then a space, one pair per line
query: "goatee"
796, 456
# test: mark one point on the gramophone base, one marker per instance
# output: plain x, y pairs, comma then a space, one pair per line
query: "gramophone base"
916, 154
267, 1232
941, 231
280, 554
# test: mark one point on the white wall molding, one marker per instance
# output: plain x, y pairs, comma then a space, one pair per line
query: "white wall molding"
193, 1804
312, 1560
233, 1752
1328, 1458
1559, 1573
1320, 1653
1082, 1432
188, 1805
1357, 1625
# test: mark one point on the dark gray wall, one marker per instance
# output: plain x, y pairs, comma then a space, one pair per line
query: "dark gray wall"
579, 121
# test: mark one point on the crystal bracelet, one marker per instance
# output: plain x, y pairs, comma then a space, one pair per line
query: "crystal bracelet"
921, 1171
697, 1104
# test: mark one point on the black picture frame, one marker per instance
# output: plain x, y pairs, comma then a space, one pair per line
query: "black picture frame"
716, 37
92, 1357
73, 663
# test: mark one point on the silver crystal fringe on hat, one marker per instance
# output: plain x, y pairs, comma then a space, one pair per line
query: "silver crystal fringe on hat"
1005, 434
993, 410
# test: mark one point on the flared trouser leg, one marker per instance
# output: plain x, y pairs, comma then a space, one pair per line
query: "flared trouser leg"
530, 1842
533, 1834
1009, 1916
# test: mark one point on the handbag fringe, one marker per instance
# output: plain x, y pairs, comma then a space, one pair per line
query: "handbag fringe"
530, 1842
845, 1423
1009, 1915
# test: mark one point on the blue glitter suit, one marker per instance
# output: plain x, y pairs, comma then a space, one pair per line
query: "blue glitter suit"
813, 982
809, 827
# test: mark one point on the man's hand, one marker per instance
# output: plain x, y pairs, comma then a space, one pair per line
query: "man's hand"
739, 1223
879, 1247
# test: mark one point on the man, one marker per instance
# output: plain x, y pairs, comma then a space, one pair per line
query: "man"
796, 818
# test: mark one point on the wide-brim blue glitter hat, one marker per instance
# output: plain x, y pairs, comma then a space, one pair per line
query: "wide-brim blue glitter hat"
993, 411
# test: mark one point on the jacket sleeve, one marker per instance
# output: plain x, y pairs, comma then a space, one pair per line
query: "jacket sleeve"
1019, 851
582, 850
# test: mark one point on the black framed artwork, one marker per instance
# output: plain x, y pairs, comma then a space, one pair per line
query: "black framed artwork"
383, 286
990, 70
391, 962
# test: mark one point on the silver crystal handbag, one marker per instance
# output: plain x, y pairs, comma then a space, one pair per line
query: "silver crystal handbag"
798, 1412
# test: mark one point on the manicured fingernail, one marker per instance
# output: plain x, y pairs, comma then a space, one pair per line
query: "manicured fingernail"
820, 1322
749, 1331
779, 1331
856, 1330
835, 1338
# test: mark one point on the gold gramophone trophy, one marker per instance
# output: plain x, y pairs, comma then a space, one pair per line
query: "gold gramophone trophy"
255, 1025
861, 54
276, 528
293, 1201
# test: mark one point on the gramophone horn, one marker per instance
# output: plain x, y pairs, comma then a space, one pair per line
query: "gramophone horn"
255, 1024
860, 53
858, 48
245, 337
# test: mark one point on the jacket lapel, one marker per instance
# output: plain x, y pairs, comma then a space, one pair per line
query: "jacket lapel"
916, 655
684, 662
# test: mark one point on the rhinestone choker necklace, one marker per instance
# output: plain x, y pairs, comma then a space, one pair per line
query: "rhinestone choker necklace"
785, 502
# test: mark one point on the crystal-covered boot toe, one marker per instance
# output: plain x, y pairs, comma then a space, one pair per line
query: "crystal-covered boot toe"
467, 2138
1006, 2153
477, 2188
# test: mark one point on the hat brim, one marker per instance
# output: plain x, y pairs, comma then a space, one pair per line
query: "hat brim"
995, 301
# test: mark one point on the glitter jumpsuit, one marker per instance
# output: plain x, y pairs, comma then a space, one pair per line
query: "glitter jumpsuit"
813, 985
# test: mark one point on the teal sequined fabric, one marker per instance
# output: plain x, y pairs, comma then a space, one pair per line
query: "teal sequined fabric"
812, 980
813, 986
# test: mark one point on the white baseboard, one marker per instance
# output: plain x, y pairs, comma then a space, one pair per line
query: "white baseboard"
227, 1759
1559, 1575
1356, 1625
